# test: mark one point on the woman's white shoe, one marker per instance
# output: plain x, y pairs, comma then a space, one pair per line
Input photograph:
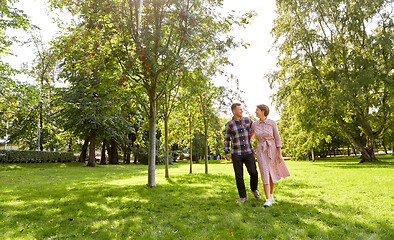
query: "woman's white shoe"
267, 203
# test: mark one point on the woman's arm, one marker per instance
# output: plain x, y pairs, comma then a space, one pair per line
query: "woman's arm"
278, 142
278, 139
279, 154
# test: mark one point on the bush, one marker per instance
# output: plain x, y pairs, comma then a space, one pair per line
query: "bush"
15, 156
142, 155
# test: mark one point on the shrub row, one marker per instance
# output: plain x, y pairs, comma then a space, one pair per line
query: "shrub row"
15, 156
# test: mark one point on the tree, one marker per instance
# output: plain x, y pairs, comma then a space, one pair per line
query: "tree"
187, 121
169, 103
23, 115
91, 105
152, 36
44, 71
33, 108
206, 96
336, 66
11, 18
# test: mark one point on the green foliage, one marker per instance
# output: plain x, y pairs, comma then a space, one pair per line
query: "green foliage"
118, 59
147, 46
16, 19
98, 98
141, 153
326, 199
336, 70
17, 156
23, 115
10, 18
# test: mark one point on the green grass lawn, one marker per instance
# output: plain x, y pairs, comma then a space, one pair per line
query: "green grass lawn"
327, 199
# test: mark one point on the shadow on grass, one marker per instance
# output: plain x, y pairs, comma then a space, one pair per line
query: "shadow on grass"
26, 166
76, 167
83, 211
191, 206
385, 161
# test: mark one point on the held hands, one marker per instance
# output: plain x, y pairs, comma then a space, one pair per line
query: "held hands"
228, 157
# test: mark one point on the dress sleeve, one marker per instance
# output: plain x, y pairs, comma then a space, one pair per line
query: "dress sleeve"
278, 140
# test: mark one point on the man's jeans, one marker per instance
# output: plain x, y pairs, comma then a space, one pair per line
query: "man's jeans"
250, 163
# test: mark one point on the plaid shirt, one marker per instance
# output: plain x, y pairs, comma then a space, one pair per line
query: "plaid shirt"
239, 133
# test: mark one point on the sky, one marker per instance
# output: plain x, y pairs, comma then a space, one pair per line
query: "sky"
250, 65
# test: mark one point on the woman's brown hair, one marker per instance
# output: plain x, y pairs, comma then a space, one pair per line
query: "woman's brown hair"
264, 108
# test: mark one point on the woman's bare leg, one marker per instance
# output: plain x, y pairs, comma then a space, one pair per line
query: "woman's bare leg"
267, 191
271, 185
269, 188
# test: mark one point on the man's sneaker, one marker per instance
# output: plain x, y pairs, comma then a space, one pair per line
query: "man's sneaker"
242, 200
272, 198
267, 203
256, 194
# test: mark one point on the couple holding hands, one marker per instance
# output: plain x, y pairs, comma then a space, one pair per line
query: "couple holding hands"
239, 132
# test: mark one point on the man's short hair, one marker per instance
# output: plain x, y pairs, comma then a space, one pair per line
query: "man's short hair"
234, 106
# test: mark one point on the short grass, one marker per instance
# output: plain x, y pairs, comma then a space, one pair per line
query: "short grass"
328, 199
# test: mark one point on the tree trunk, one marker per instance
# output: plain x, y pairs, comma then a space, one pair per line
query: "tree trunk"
384, 146
191, 146
92, 149
41, 120
369, 154
103, 159
206, 145
385, 149
70, 144
126, 159
108, 148
135, 160
127, 150
113, 156
166, 146
133, 138
313, 155
354, 151
152, 139
82, 156
357, 145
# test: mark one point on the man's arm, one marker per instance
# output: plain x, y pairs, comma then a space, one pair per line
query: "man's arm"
227, 140
251, 131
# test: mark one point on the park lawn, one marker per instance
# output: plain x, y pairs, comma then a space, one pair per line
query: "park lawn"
333, 198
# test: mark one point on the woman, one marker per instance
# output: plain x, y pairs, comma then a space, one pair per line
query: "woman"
269, 156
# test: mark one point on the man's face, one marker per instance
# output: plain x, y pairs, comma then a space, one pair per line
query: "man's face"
238, 112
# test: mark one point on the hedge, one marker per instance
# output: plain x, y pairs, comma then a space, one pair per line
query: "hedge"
15, 156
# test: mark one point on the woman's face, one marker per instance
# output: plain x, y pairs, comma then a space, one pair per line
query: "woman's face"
259, 113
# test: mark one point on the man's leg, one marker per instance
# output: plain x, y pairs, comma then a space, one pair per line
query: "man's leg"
239, 175
250, 163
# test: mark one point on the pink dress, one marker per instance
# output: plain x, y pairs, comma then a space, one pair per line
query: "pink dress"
268, 139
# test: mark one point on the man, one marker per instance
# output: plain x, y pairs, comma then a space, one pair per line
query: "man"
238, 132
